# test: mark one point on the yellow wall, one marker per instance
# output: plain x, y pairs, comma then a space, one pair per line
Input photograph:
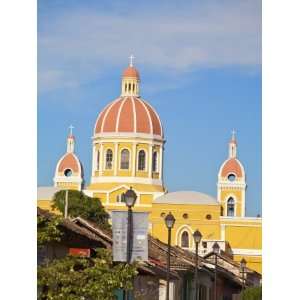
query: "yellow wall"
253, 262
210, 229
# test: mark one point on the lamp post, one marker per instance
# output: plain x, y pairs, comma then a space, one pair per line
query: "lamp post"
243, 266
197, 238
216, 249
129, 198
170, 221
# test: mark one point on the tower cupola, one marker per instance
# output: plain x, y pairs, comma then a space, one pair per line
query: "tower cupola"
130, 80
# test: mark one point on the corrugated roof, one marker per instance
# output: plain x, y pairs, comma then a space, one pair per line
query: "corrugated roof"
186, 197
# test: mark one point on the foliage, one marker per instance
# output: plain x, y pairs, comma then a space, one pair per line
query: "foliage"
81, 205
81, 278
47, 229
253, 293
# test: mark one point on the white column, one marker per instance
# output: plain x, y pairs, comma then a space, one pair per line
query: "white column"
150, 161
133, 159
160, 162
101, 159
94, 159
116, 155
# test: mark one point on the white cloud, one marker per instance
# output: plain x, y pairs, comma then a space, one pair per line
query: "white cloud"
83, 43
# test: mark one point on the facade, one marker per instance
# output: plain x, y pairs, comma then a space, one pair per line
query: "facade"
128, 151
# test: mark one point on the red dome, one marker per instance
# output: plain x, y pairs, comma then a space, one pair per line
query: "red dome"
69, 161
131, 115
232, 166
131, 72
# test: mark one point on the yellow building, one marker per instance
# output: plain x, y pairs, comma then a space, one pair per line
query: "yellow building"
128, 151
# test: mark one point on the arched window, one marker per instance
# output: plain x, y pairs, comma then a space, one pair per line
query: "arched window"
185, 240
142, 160
108, 159
154, 162
230, 207
125, 159
129, 87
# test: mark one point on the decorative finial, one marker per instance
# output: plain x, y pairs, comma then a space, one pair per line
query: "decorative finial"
233, 132
71, 127
131, 57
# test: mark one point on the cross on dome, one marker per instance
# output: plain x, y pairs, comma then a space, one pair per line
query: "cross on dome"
71, 127
131, 58
233, 132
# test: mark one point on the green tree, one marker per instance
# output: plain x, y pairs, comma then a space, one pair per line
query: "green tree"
77, 278
253, 293
81, 205
47, 229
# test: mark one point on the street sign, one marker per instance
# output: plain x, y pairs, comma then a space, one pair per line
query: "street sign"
140, 235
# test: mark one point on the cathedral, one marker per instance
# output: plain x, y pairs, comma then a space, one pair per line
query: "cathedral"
128, 151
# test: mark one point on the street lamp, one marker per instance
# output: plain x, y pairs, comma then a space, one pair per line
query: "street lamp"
170, 221
216, 249
129, 198
243, 266
197, 238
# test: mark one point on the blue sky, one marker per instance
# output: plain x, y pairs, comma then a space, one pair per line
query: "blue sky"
200, 66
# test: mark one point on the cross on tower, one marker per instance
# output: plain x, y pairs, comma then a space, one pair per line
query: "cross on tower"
131, 57
71, 127
233, 134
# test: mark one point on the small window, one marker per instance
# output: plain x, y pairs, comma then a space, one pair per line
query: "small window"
125, 159
208, 217
185, 240
230, 207
154, 162
120, 198
204, 245
185, 216
142, 160
108, 159
68, 172
231, 177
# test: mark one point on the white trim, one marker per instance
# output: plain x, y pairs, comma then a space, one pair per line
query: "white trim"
133, 171
160, 163
223, 232
100, 114
250, 252
237, 219
178, 234
120, 159
119, 112
101, 159
150, 161
112, 162
160, 124
116, 151
134, 113
235, 204
121, 179
128, 137
148, 114
146, 160
106, 113
75, 179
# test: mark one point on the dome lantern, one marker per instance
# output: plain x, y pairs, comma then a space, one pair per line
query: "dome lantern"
130, 80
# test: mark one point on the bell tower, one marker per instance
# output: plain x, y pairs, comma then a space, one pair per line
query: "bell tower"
232, 183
